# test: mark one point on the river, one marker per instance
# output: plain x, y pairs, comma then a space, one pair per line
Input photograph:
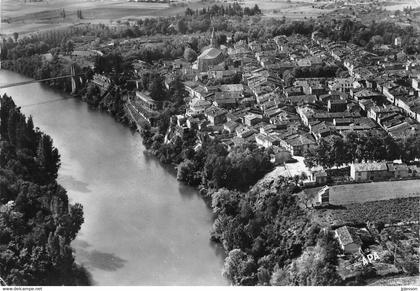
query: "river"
141, 226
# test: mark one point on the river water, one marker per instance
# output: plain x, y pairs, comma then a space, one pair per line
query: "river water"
141, 226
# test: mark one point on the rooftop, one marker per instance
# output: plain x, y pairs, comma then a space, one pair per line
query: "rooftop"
210, 53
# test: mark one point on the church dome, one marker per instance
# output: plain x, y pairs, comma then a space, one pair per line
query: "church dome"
210, 53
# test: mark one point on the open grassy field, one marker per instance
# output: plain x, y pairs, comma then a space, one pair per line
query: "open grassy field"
35, 16
351, 193
374, 191
28, 17
291, 10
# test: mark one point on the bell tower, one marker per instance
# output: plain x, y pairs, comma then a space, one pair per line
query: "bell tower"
213, 42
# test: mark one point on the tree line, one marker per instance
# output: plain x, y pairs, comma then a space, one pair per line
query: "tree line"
37, 223
358, 147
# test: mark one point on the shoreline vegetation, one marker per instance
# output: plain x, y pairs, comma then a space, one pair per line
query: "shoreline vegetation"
269, 239
37, 223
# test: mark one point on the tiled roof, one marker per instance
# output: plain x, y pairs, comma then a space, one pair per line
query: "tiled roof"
347, 235
210, 53
374, 166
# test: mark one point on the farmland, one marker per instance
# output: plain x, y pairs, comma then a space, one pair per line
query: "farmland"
374, 191
36, 16
344, 194
386, 211
290, 9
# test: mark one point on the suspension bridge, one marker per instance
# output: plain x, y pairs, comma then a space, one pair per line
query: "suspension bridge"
72, 75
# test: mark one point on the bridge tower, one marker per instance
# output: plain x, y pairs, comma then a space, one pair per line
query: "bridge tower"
73, 79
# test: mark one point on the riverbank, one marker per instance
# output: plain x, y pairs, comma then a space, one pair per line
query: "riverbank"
129, 198
37, 222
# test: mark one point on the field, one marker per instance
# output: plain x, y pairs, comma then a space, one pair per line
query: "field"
345, 194
386, 211
35, 16
289, 9
374, 191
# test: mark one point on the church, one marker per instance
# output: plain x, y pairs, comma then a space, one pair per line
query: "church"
211, 56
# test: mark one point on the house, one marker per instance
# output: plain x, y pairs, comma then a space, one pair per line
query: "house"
371, 171
251, 119
319, 177
215, 115
198, 106
267, 140
340, 84
143, 98
102, 82
225, 100
348, 239
230, 126
399, 170
244, 132
398, 41
297, 144
302, 99
195, 89
192, 122
337, 105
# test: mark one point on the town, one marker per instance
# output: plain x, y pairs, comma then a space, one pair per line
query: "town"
302, 136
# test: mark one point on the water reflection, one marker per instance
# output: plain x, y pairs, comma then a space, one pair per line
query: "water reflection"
73, 184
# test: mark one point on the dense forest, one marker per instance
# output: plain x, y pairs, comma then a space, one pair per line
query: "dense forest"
270, 240
37, 223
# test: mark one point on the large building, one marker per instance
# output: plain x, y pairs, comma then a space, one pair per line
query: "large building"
369, 171
211, 56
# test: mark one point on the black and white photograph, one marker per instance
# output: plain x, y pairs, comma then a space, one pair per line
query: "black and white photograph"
209, 143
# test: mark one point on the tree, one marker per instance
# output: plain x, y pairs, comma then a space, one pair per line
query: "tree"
221, 39
76, 214
157, 88
3, 51
15, 36
48, 158
410, 149
280, 277
185, 172
181, 26
177, 91
79, 14
225, 201
238, 266
69, 47
12, 124
190, 55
